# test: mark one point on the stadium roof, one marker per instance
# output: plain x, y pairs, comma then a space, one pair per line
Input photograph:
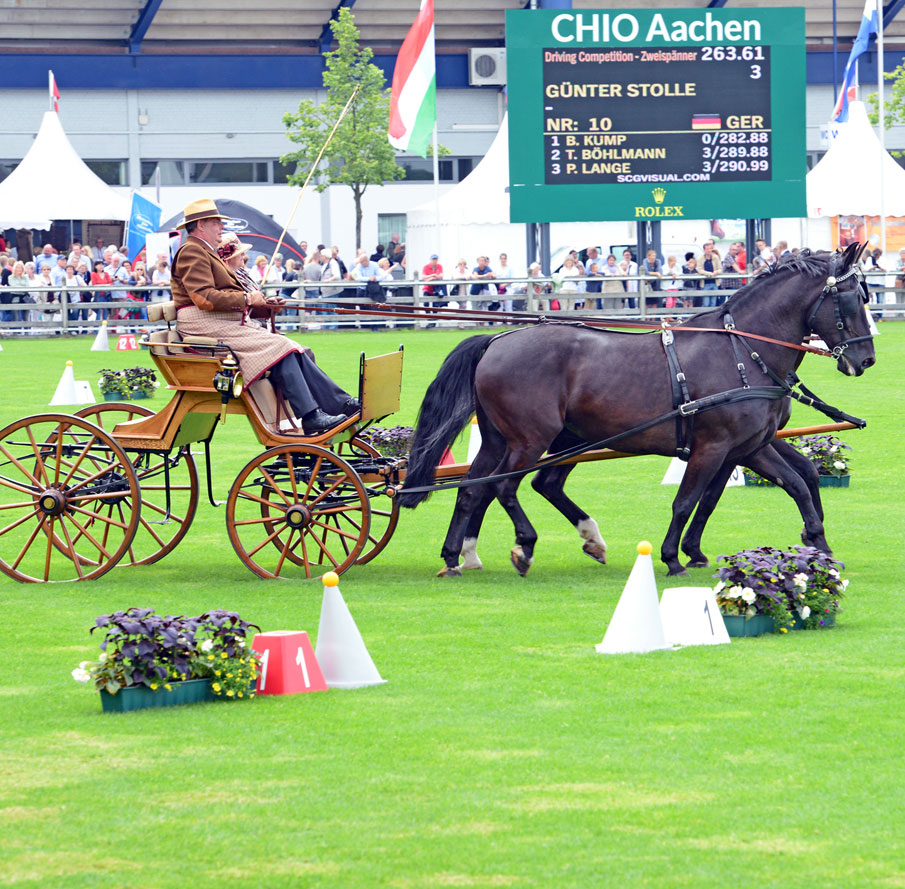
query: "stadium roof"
172, 26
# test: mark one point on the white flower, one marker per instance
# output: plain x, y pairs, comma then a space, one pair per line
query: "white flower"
719, 587
103, 657
207, 645
834, 448
748, 595
839, 464
80, 674
801, 581
240, 643
844, 584
805, 612
735, 591
805, 450
834, 573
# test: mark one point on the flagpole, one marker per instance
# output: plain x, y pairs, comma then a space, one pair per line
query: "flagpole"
882, 122
436, 149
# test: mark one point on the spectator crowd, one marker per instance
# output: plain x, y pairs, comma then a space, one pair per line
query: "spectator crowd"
30, 290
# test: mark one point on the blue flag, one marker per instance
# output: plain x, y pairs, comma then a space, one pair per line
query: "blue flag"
143, 220
859, 47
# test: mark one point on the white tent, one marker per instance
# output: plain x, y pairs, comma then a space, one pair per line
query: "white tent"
846, 181
53, 182
474, 220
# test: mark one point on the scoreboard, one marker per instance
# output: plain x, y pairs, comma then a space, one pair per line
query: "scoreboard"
652, 115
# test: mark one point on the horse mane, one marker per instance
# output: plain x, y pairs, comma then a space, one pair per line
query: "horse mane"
811, 264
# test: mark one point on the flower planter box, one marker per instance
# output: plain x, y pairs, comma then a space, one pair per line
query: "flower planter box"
834, 481
738, 625
115, 396
829, 620
763, 483
138, 697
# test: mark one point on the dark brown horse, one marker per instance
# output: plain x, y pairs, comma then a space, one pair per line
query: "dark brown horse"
552, 386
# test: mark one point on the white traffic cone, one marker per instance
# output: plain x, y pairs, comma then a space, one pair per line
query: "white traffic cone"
340, 650
65, 392
636, 626
474, 441
691, 616
101, 343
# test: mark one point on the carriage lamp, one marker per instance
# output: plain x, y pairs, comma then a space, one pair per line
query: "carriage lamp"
228, 382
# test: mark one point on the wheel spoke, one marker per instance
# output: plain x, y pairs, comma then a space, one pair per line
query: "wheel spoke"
39, 460
109, 520
29, 542
18, 522
275, 487
335, 529
336, 483
247, 495
72, 553
20, 467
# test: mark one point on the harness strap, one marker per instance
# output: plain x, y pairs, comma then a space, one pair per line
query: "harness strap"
688, 409
680, 396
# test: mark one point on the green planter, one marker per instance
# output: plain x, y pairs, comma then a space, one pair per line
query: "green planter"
829, 620
138, 697
834, 481
738, 625
116, 396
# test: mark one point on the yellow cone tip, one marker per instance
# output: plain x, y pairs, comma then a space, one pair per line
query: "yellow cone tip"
645, 548
331, 578
104, 323
68, 364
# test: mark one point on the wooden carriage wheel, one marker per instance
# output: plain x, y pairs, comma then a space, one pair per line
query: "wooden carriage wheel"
298, 505
158, 532
384, 510
69, 499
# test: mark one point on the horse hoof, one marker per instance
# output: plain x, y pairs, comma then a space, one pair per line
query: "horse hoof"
520, 561
449, 571
595, 551
677, 572
703, 562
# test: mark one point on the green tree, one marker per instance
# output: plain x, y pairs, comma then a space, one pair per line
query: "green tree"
893, 103
359, 154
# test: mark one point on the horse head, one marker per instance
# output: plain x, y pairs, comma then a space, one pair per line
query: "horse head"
839, 314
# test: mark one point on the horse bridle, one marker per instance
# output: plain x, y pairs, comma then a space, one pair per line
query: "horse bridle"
845, 304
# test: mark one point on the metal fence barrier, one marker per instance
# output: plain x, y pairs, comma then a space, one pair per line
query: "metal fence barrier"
60, 315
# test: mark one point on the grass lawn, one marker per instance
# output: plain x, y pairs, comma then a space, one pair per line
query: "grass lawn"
503, 751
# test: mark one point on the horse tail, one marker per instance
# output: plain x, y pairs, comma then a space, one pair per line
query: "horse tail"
447, 405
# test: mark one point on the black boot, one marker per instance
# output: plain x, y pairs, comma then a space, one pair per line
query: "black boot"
317, 421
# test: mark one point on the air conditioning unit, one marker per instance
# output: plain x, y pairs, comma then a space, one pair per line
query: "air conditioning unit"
487, 67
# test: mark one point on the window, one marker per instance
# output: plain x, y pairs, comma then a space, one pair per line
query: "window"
112, 172
390, 224
282, 172
171, 172
422, 169
228, 171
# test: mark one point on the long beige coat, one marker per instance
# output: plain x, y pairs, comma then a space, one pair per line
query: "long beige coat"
210, 301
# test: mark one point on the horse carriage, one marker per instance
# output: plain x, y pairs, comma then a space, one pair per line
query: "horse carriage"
117, 484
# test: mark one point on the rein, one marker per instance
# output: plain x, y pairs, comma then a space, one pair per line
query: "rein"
385, 310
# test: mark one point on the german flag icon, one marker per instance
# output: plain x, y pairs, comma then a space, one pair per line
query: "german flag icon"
706, 122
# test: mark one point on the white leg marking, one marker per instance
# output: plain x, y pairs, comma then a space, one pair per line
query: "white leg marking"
470, 554
595, 545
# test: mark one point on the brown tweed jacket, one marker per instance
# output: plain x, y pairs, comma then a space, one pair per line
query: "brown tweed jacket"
210, 301
201, 278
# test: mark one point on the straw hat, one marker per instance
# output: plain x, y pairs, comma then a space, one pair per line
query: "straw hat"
230, 246
198, 210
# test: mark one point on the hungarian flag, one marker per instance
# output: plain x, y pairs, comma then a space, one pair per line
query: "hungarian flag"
54, 92
413, 98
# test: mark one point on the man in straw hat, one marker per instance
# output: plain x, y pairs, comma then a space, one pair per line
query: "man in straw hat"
212, 301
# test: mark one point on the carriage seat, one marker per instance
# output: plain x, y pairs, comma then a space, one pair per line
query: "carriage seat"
166, 311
